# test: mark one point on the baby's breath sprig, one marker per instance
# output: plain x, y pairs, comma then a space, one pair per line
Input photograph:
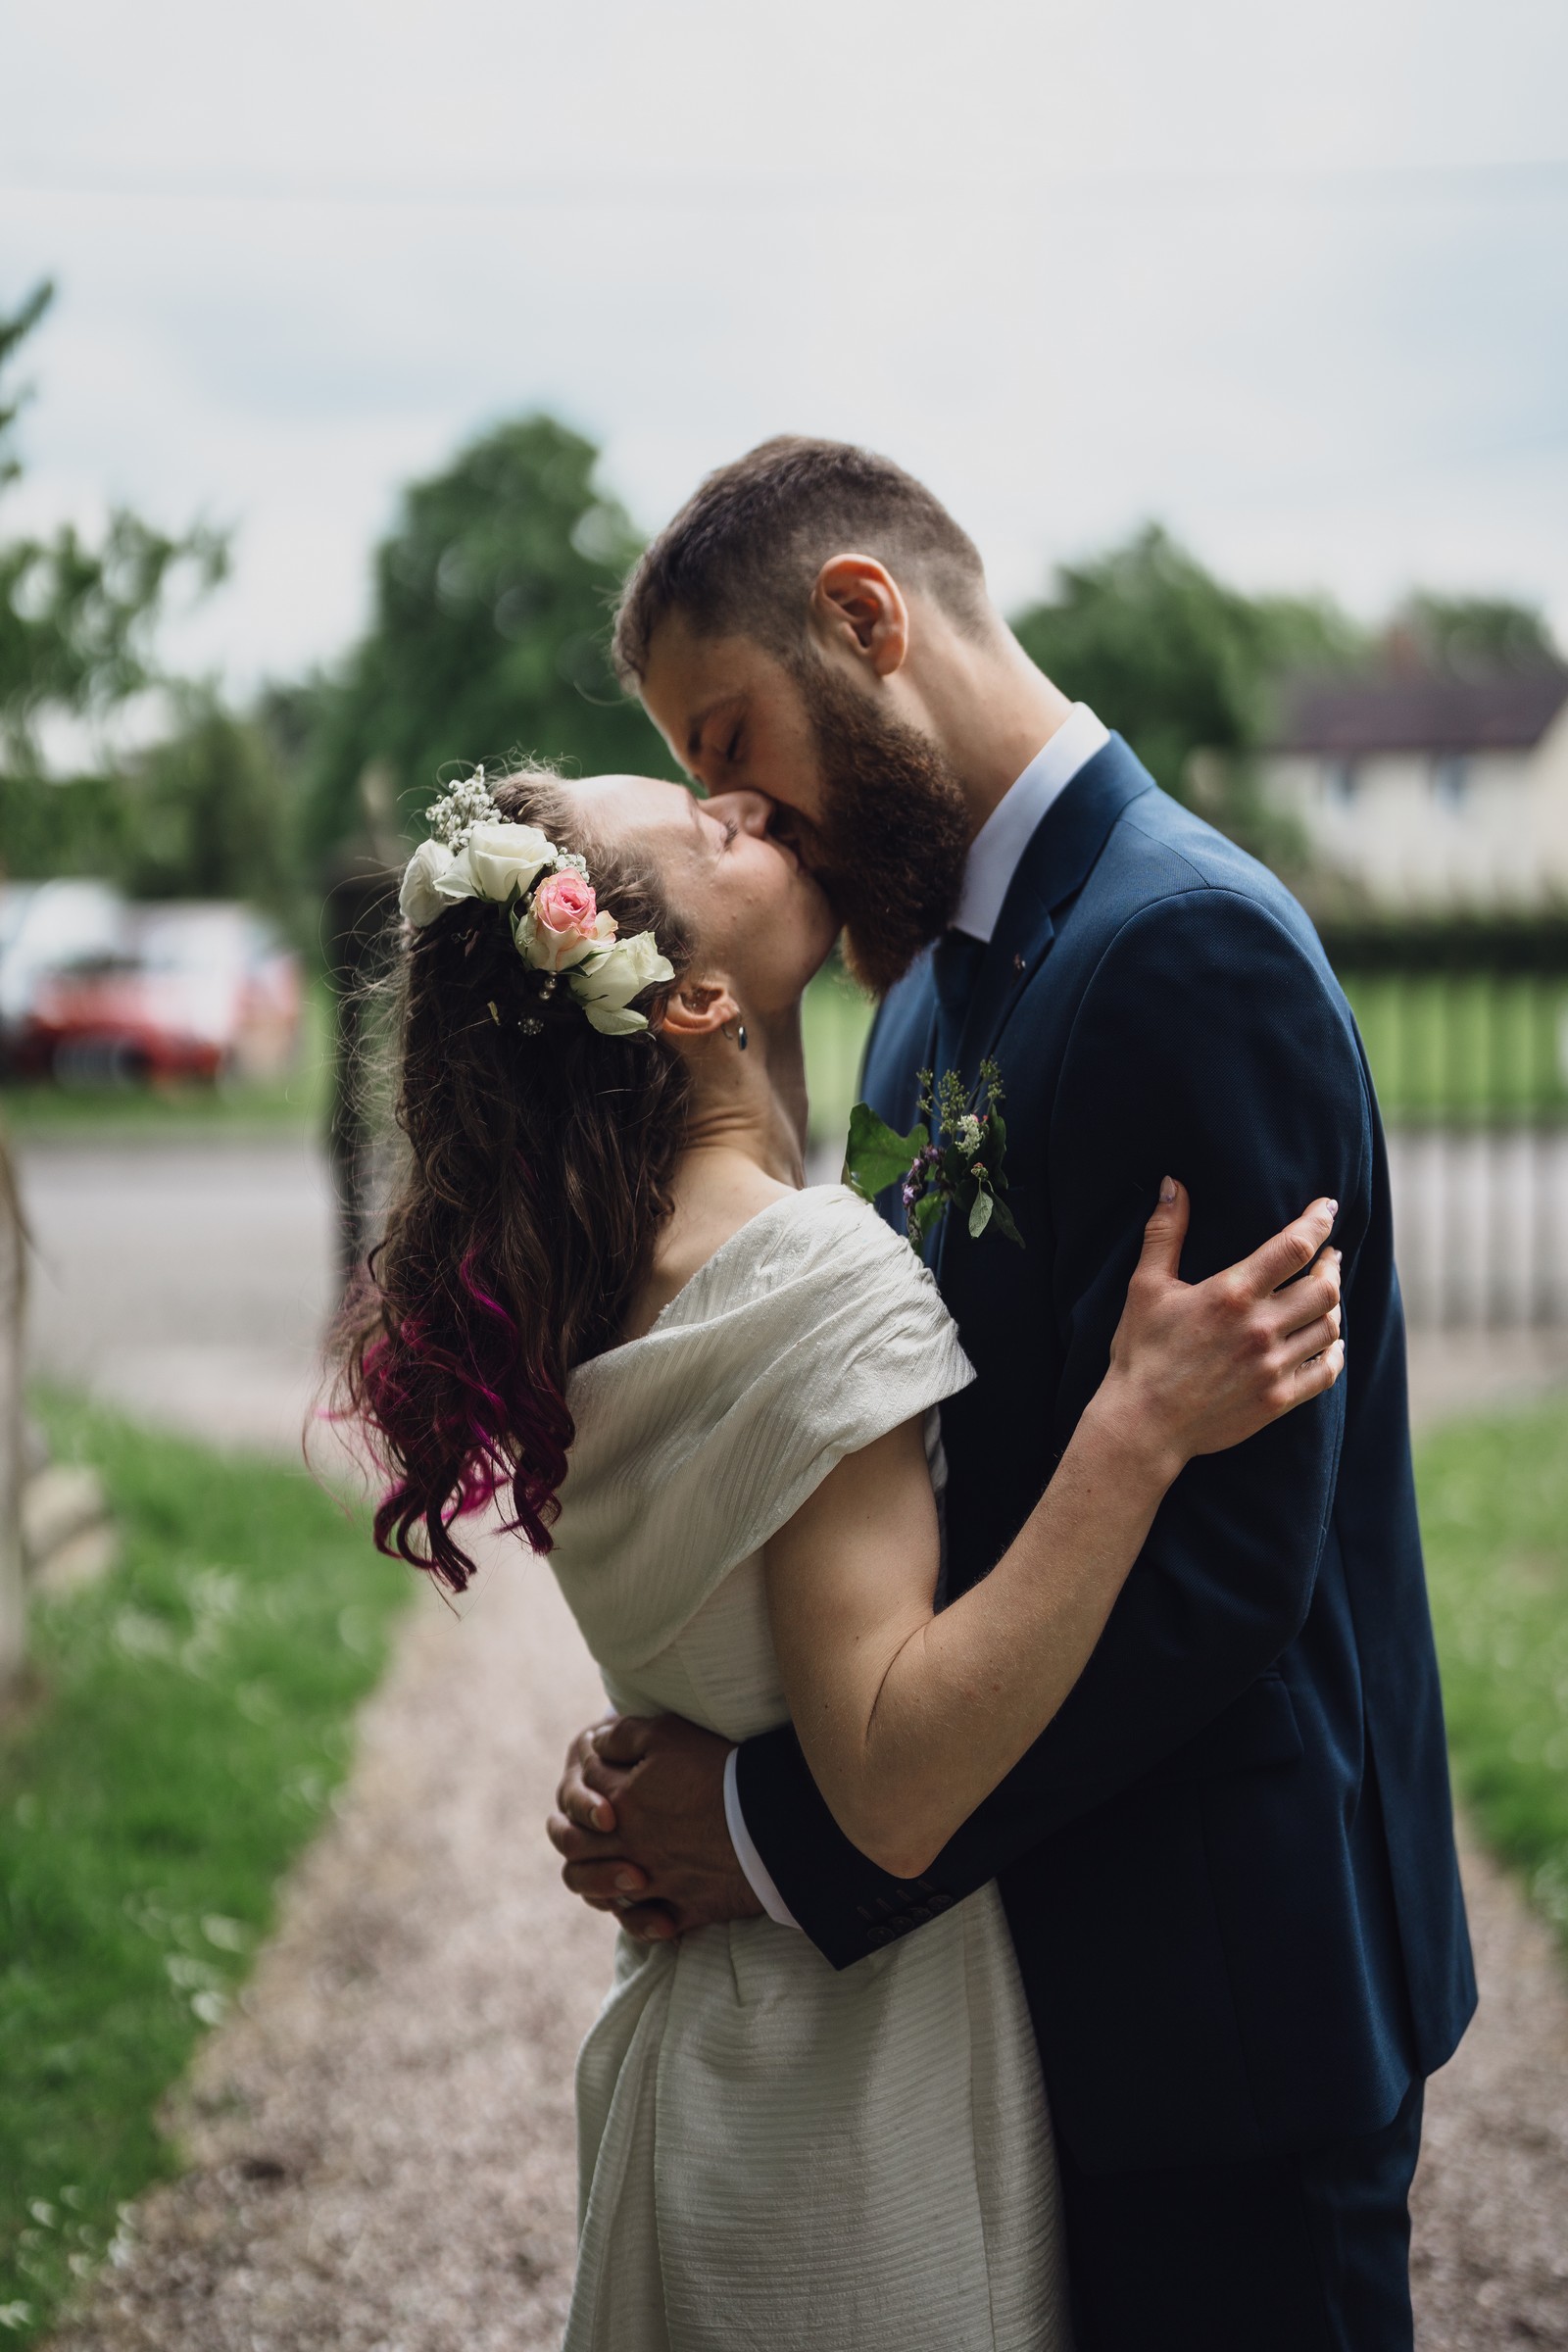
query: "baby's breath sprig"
463, 806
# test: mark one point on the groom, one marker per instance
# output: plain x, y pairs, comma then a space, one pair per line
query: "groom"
1228, 1864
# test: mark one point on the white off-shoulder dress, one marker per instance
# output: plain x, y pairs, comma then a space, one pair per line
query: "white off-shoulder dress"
774, 2154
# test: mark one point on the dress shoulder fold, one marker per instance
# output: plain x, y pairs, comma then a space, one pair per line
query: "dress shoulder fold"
812, 1333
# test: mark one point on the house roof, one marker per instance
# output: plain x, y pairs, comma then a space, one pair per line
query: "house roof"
1349, 717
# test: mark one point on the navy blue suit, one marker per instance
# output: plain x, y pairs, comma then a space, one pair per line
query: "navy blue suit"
1229, 1862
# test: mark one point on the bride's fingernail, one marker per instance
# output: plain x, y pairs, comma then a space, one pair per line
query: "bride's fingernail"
1167, 1188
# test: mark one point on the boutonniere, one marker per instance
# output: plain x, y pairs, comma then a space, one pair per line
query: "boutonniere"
956, 1158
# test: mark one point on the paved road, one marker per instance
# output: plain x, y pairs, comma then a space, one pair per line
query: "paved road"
189, 1283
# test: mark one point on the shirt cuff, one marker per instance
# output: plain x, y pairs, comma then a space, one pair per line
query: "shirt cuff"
758, 1876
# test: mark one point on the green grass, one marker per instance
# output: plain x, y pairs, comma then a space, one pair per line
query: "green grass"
192, 1717
1494, 1513
39, 1110
1466, 1051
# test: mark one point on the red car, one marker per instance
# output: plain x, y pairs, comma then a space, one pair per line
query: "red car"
204, 990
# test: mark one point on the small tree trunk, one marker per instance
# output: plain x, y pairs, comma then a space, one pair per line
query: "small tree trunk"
360, 898
12, 1603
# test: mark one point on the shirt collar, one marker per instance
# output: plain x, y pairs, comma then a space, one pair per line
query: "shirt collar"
1000, 842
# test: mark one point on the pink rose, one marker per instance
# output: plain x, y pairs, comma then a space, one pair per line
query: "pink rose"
564, 923
566, 902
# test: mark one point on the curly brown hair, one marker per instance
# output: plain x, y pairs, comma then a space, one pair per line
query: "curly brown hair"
536, 1177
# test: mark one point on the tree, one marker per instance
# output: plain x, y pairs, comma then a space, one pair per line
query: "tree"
1181, 664
1472, 636
214, 817
77, 620
491, 628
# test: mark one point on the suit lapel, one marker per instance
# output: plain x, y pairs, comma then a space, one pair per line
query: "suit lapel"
1062, 849
1019, 945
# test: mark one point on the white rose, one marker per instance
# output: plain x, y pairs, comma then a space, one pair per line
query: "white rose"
605, 984
420, 898
505, 859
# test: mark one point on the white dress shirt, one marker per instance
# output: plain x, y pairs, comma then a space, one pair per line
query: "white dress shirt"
988, 872
1000, 842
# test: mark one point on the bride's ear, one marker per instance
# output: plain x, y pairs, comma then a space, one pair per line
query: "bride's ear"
696, 1009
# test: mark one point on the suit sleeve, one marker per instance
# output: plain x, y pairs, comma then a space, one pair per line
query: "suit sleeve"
1210, 1044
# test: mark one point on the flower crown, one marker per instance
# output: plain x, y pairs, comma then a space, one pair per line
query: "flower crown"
556, 928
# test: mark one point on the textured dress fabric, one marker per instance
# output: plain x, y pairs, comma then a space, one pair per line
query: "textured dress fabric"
774, 2154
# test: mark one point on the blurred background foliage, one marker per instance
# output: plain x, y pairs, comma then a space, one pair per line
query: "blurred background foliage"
77, 619
490, 632
1180, 663
489, 637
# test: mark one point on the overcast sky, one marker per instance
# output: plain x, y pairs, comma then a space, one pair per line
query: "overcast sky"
1292, 279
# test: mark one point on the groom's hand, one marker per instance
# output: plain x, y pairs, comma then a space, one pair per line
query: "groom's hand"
639, 1823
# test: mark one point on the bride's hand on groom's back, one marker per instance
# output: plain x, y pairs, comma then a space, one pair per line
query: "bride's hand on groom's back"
1199, 1367
639, 1824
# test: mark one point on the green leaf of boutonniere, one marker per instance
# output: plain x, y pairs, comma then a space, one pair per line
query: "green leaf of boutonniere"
875, 1156
980, 1214
925, 1213
1001, 1218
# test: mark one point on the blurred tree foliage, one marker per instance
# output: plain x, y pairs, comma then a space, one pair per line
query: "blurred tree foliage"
490, 634
204, 812
76, 619
1469, 636
489, 638
214, 812
209, 811
1183, 665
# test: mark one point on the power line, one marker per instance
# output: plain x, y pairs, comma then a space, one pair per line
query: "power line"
803, 190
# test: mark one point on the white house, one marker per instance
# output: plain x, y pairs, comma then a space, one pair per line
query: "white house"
1428, 791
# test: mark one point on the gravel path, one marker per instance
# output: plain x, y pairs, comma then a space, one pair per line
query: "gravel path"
381, 2137
1489, 2256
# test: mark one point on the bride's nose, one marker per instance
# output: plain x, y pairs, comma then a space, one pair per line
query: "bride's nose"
753, 812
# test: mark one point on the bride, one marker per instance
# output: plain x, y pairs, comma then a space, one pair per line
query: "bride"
710, 1394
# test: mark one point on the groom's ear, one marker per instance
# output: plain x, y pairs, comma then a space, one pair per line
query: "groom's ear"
857, 605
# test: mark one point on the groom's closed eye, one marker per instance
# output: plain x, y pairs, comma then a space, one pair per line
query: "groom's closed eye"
714, 738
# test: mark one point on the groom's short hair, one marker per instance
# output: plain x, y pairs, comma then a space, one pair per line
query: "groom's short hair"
742, 555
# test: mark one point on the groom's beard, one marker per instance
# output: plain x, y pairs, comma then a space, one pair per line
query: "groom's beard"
894, 835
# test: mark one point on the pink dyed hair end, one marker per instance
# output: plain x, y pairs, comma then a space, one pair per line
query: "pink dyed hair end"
464, 1422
